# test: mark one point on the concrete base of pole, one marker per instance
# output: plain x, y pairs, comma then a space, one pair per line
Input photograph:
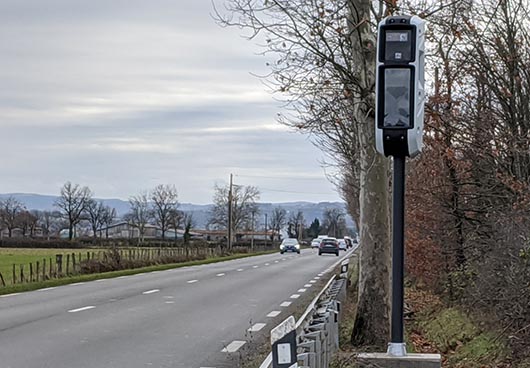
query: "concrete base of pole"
384, 360
398, 349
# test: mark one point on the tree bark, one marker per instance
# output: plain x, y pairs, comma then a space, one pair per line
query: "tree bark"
372, 320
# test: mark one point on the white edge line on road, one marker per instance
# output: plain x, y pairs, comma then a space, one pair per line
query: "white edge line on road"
295, 296
256, 327
151, 291
77, 283
192, 281
100, 280
46, 289
274, 314
81, 309
220, 274
286, 304
233, 346
12, 294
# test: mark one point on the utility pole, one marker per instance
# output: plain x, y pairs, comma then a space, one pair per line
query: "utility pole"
252, 239
229, 242
266, 234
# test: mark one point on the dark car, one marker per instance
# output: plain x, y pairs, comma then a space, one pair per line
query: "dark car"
329, 245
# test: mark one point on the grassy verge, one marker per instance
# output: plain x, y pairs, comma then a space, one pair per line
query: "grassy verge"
432, 328
451, 332
96, 276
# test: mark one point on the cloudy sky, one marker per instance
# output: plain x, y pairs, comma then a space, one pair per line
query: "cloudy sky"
122, 95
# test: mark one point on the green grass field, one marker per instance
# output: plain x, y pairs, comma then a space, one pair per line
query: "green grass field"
18, 256
32, 255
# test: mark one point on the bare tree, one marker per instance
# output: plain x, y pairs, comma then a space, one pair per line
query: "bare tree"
164, 199
72, 203
108, 217
188, 225
10, 209
334, 222
325, 69
27, 222
141, 213
175, 220
95, 213
243, 204
278, 219
296, 224
49, 222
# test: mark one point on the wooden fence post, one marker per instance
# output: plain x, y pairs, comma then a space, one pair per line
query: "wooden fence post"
67, 264
14, 275
31, 272
51, 268
2, 278
59, 264
74, 269
43, 269
22, 279
37, 271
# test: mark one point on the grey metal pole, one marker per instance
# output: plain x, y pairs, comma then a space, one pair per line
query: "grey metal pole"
229, 240
397, 345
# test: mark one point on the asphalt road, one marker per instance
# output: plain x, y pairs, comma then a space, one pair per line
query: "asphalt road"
192, 317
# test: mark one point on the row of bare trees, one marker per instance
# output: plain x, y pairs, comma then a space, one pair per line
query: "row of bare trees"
161, 207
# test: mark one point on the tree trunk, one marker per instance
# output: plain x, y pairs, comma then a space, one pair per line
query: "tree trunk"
372, 320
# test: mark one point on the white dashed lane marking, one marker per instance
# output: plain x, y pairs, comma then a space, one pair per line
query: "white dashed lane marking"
273, 314
286, 304
239, 269
220, 274
295, 296
312, 281
317, 277
255, 266
256, 327
266, 264
151, 291
308, 285
302, 290
192, 281
233, 346
81, 309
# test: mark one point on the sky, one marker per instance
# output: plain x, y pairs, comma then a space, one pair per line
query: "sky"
123, 95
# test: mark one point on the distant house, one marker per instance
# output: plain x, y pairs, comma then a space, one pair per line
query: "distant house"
220, 235
38, 232
125, 230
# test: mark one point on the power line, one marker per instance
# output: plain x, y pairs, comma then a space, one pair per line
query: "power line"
277, 177
290, 191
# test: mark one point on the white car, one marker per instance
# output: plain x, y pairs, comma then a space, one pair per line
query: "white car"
315, 243
342, 244
290, 245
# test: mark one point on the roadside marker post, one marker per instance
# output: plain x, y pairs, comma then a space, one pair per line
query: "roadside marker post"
283, 340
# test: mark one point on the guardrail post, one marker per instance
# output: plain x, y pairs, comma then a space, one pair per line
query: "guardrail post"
283, 340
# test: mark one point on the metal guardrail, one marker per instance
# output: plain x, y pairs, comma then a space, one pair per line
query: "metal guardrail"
317, 330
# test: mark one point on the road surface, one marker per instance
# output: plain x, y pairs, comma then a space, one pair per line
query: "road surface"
192, 317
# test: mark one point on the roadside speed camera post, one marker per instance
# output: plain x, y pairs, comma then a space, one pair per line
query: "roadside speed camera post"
400, 98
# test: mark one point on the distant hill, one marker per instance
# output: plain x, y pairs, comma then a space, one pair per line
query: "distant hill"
200, 212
